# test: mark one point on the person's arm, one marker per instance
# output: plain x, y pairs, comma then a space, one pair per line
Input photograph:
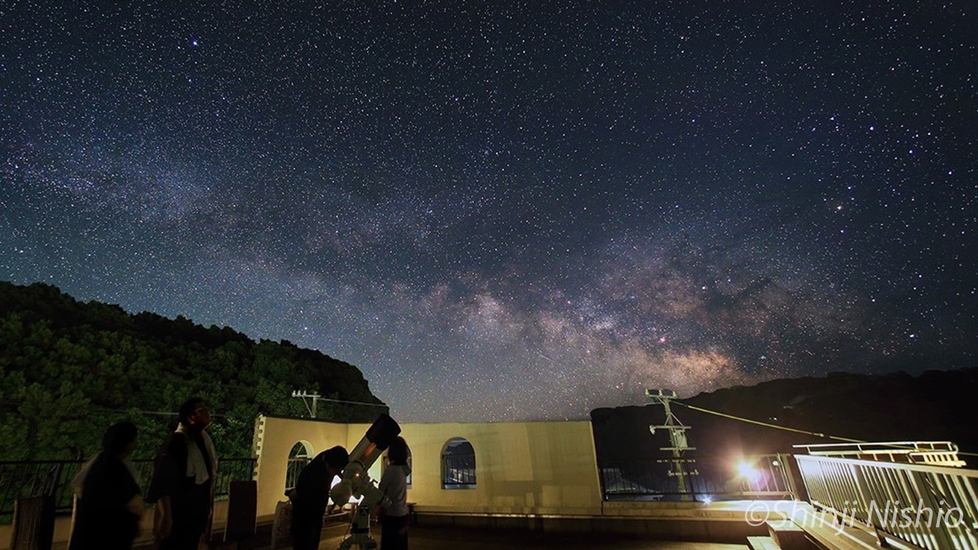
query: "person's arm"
128, 490
206, 536
173, 464
136, 506
383, 487
163, 518
210, 505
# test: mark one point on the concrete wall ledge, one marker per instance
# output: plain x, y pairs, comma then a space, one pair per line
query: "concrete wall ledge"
702, 529
734, 510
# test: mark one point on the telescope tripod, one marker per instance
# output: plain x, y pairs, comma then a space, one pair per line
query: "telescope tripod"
359, 531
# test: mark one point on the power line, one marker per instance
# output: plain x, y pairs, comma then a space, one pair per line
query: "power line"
315, 398
353, 402
214, 415
150, 413
767, 424
785, 428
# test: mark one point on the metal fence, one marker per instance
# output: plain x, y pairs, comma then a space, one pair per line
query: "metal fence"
296, 464
458, 471
25, 479
703, 478
933, 507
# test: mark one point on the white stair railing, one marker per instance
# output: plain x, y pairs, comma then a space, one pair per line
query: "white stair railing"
933, 507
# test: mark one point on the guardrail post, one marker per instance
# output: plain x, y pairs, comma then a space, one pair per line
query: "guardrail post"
931, 503
934, 505
33, 523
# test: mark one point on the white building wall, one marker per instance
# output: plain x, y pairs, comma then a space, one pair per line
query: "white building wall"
521, 467
274, 439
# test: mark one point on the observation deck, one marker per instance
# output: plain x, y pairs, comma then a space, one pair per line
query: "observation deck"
540, 485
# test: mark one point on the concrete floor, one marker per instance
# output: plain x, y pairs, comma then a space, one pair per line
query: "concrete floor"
429, 538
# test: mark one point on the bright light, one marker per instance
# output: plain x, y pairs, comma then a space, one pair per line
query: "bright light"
707, 499
748, 471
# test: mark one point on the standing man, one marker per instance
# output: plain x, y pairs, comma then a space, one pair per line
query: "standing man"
183, 483
311, 495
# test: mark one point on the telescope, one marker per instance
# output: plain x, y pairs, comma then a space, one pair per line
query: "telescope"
355, 482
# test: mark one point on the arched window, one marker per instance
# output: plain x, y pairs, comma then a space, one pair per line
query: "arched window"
299, 456
458, 464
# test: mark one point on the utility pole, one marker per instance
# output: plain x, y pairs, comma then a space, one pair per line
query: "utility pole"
306, 398
678, 443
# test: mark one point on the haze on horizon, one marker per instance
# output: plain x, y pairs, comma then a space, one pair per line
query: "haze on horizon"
506, 211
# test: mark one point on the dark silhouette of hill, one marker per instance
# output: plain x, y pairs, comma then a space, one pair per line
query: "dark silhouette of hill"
934, 406
69, 369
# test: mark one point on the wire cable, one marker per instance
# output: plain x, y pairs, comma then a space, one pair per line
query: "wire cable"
768, 425
785, 428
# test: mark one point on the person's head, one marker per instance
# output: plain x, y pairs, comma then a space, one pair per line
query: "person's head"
335, 458
119, 439
194, 413
397, 453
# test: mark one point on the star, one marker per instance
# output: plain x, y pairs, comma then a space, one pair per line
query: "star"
557, 206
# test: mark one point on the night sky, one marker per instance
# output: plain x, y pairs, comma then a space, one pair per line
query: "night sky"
509, 210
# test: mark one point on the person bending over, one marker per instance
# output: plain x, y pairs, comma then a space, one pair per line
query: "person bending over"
311, 496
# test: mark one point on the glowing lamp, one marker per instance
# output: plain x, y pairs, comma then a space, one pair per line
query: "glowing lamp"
748, 471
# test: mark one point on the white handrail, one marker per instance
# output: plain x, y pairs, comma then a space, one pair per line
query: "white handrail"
933, 507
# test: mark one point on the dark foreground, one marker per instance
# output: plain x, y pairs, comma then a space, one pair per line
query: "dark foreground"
462, 538
431, 538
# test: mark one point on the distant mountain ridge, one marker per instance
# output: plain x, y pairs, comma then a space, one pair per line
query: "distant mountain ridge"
935, 406
69, 369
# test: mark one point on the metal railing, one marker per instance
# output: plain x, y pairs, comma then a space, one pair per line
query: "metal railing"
932, 507
706, 478
25, 479
458, 471
294, 468
934, 453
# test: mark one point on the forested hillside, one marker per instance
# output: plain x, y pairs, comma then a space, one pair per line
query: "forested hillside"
70, 369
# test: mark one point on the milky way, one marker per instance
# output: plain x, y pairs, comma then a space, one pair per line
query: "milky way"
509, 210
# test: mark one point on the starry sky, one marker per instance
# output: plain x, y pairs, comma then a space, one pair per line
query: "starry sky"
509, 210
